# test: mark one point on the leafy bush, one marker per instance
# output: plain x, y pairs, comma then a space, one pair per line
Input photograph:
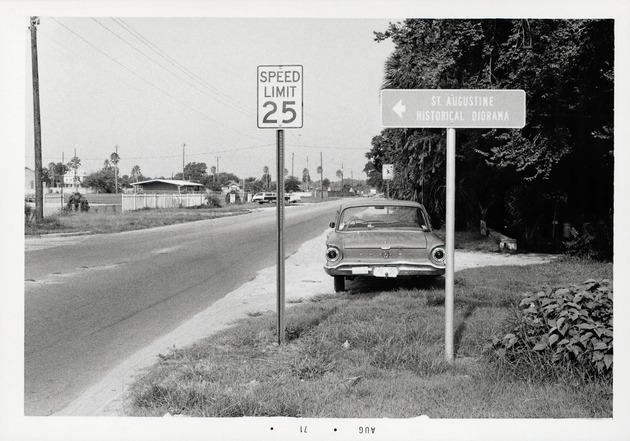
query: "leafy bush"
28, 211
213, 201
595, 242
564, 327
77, 202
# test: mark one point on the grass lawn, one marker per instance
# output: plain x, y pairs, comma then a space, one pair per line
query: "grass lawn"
374, 355
113, 222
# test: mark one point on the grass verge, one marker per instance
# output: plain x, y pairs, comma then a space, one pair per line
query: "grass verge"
115, 222
375, 355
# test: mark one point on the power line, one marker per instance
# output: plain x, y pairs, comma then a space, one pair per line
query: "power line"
187, 154
156, 62
127, 27
145, 80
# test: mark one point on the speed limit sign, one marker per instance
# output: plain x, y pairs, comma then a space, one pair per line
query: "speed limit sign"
280, 97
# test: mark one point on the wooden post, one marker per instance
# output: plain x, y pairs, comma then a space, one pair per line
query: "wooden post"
39, 192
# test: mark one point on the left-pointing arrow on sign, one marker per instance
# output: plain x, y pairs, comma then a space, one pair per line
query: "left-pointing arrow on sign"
399, 108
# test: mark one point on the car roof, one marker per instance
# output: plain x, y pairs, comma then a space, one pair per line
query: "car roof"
377, 201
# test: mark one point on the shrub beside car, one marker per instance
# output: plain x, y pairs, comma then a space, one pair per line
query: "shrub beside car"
567, 327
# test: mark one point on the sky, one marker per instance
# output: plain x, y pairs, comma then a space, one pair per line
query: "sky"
151, 85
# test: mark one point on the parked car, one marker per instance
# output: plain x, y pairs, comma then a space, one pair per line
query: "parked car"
264, 198
268, 197
382, 238
293, 198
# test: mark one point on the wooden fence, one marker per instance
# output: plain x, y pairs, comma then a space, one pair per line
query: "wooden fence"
132, 202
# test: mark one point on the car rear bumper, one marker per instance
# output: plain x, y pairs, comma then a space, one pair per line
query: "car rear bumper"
387, 271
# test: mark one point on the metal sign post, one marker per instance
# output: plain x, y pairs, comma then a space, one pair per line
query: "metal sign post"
280, 106
280, 234
451, 109
449, 292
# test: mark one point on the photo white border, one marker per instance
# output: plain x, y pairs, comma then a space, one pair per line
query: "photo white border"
14, 79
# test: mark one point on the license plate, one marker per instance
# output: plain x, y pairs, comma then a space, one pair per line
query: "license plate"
385, 272
361, 270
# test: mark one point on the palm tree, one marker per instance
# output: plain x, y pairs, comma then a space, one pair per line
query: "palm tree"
74, 164
306, 178
320, 172
135, 172
266, 175
51, 168
114, 158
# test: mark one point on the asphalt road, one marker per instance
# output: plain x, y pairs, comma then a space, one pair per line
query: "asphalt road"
93, 301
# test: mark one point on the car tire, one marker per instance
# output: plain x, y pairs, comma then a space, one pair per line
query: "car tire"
340, 283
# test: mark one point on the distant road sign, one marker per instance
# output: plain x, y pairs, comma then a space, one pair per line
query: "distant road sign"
453, 108
388, 171
280, 97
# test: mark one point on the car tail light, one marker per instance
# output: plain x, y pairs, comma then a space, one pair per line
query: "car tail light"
333, 254
438, 255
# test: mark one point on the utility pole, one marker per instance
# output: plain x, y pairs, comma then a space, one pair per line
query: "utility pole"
292, 160
74, 180
183, 160
321, 174
351, 179
341, 178
115, 170
308, 176
39, 191
63, 182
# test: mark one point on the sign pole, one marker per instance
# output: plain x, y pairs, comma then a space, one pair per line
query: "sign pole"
280, 106
452, 109
449, 300
280, 215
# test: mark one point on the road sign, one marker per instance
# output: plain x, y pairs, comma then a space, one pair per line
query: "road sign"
280, 97
453, 108
388, 171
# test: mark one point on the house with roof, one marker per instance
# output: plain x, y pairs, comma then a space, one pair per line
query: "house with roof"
231, 186
29, 182
164, 186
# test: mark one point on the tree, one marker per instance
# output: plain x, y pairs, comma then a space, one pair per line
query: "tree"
114, 159
196, 172
56, 173
136, 174
266, 177
73, 165
292, 184
306, 178
521, 177
339, 175
102, 181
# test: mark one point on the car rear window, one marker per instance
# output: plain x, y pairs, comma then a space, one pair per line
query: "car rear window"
383, 217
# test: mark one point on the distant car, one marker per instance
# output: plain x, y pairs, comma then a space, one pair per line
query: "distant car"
268, 197
382, 238
293, 198
264, 198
